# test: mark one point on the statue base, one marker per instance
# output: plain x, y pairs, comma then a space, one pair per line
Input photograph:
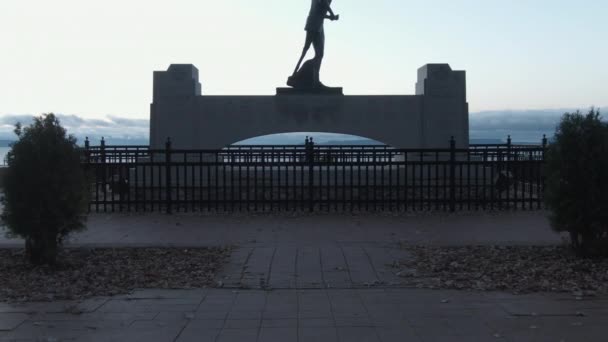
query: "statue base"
310, 91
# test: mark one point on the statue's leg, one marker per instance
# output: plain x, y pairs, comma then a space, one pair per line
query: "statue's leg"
309, 41
319, 46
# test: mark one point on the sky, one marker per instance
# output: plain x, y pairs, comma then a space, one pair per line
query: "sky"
95, 59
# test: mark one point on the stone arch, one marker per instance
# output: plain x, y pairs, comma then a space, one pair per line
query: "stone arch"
298, 138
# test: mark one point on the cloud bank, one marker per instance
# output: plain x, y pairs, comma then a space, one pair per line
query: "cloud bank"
112, 128
522, 125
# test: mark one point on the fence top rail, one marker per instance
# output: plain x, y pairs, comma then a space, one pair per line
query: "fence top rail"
95, 147
489, 150
504, 146
302, 146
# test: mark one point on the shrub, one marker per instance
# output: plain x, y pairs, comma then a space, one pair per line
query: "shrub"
577, 184
46, 191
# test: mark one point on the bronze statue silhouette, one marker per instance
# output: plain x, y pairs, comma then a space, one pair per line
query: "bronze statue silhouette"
307, 77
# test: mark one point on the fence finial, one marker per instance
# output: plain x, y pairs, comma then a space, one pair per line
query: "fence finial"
509, 139
103, 141
86, 143
544, 140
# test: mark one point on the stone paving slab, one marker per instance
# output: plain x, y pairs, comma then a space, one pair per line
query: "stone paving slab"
9, 321
338, 265
318, 315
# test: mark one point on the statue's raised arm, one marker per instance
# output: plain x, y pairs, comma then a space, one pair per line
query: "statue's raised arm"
307, 77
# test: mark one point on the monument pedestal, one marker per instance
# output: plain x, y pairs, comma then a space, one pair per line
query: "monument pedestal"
310, 91
429, 119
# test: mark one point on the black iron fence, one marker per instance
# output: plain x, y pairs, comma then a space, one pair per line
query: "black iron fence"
310, 177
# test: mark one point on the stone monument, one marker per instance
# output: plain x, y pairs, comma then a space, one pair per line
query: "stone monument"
428, 119
437, 112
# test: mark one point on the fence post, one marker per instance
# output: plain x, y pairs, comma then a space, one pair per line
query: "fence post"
509, 149
87, 153
102, 147
168, 175
102, 150
103, 173
542, 171
87, 168
310, 158
452, 174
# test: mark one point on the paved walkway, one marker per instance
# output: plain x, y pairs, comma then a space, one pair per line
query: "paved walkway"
339, 265
279, 229
283, 250
311, 278
371, 315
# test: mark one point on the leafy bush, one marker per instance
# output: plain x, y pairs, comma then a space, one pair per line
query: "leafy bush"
45, 191
577, 181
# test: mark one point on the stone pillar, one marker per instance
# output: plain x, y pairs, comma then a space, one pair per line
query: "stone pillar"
180, 81
174, 92
445, 107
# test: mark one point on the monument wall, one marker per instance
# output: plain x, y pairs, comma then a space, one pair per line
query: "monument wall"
194, 121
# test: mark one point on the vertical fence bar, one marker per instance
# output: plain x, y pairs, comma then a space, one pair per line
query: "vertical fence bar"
375, 188
276, 158
493, 158
87, 167
159, 171
405, 181
452, 174
168, 176
200, 181
476, 192
239, 159
104, 175
263, 178
541, 193
136, 186
390, 180
508, 173
530, 179
359, 167
340, 165
231, 161
224, 185
398, 181
216, 177
303, 163
497, 178
382, 165
334, 167
310, 160
118, 182
351, 168
421, 181
469, 179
